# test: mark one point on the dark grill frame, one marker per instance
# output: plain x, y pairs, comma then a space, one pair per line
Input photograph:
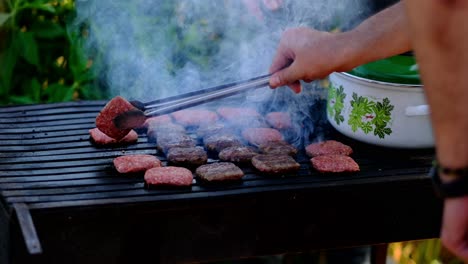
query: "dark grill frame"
48, 167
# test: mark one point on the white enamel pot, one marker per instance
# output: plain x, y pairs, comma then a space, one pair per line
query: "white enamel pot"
379, 113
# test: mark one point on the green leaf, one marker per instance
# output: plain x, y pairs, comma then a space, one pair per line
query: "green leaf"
47, 29
34, 90
21, 99
8, 62
28, 48
366, 127
4, 17
39, 6
59, 93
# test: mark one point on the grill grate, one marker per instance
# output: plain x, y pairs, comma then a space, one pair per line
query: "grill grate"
48, 161
48, 164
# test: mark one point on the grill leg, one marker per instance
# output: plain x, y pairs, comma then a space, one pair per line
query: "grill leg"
379, 254
27, 228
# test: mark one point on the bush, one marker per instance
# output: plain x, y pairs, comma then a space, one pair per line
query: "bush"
42, 59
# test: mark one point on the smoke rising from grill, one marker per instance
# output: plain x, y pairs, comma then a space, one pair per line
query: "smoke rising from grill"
146, 49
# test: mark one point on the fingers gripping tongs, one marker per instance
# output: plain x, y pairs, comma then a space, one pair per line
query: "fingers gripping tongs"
135, 118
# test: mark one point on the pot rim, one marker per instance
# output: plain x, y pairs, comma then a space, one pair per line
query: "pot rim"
385, 85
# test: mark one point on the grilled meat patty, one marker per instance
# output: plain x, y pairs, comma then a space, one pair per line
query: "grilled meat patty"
171, 140
279, 120
195, 117
334, 163
136, 163
328, 147
278, 148
221, 171
275, 164
258, 136
168, 176
105, 118
237, 154
220, 141
102, 139
187, 156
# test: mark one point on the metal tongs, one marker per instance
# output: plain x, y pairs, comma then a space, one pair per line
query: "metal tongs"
135, 118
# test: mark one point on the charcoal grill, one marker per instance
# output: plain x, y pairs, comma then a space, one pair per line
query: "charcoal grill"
62, 202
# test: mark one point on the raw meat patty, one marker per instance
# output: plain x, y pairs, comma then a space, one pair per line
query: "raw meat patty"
136, 163
195, 117
279, 120
169, 176
157, 121
329, 147
258, 136
105, 119
218, 142
171, 140
103, 139
275, 164
233, 113
192, 156
334, 163
278, 148
221, 171
240, 154
163, 129
249, 121
211, 129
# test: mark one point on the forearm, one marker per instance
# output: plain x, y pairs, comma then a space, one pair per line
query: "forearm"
380, 36
440, 34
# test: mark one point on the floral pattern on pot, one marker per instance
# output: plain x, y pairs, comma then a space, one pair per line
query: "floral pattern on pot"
335, 103
369, 115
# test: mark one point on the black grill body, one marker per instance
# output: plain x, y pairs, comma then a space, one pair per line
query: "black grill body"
61, 195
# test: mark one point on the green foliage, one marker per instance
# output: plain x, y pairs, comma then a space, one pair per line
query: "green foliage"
42, 59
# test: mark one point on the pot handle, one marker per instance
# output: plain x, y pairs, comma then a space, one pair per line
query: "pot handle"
417, 110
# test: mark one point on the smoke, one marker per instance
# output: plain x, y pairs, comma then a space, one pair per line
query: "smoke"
150, 49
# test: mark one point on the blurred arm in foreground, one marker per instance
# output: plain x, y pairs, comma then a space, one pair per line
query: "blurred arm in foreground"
315, 54
440, 39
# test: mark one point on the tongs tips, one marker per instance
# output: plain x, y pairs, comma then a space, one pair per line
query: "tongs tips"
130, 119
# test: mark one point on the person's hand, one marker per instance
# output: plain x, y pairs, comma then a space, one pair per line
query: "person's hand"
253, 6
455, 227
310, 54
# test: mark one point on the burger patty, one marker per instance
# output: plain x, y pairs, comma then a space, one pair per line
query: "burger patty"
275, 164
102, 139
221, 171
105, 118
195, 117
157, 121
279, 120
170, 140
237, 154
233, 113
259, 136
334, 163
207, 130
136, 163
168, 176
220, 141
190, 156
329, 147
163, 129
278, 148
